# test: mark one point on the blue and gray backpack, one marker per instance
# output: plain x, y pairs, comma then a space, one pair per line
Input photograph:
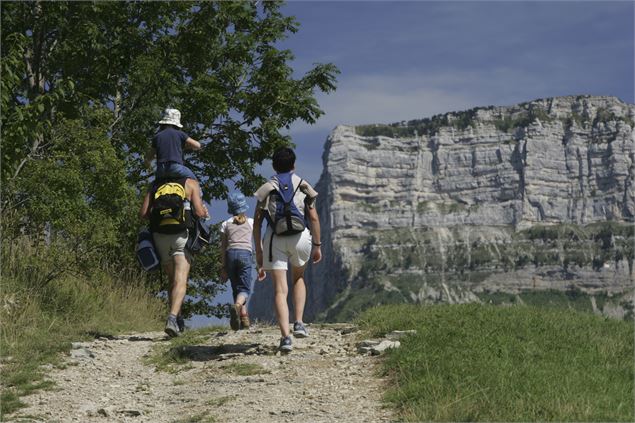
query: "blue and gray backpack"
283, 216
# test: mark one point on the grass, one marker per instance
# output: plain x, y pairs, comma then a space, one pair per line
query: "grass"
485, 363
362, 299
38, 321
574, 299
175, 355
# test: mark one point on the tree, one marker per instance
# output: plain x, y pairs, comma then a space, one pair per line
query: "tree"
83, 85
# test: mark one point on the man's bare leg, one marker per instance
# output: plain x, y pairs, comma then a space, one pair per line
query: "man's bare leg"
299, 293
168, 269
281, 290
179, 286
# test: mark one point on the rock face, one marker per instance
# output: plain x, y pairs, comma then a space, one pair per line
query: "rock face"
461, 206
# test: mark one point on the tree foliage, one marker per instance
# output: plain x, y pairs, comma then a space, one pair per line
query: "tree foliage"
84, 83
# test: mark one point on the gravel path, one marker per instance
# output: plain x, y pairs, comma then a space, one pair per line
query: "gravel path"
225, 377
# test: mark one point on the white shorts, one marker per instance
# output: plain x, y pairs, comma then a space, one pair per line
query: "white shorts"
294, 249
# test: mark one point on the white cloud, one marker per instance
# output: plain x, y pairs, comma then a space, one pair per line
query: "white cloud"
365, 99
377, 99
389, 100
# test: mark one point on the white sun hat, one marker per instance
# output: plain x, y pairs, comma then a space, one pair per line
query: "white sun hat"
171, 117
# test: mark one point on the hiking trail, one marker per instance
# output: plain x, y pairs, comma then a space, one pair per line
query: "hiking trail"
109, 379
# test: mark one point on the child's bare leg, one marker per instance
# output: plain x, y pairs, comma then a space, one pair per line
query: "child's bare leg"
241, 299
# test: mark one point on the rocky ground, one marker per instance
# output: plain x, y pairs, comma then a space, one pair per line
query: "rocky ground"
221, 377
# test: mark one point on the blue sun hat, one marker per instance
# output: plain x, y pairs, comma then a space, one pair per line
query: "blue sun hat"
236, 204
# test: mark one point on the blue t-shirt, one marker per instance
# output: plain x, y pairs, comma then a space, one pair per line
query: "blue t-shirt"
168, 144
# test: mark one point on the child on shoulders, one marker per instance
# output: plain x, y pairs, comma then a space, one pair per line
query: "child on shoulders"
168, 145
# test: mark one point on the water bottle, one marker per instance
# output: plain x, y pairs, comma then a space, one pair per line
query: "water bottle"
187, 211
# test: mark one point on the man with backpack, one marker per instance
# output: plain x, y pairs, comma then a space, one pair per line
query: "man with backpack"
286, 201
168, 205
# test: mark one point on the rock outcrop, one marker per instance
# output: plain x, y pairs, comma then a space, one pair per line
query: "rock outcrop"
468, 205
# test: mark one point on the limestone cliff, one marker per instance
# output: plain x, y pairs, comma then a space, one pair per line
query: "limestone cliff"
468, 206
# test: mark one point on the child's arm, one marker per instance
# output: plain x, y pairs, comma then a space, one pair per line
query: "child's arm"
223, 249
192, 144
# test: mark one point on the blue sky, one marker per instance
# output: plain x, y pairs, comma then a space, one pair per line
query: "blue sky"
402, 60
410, 60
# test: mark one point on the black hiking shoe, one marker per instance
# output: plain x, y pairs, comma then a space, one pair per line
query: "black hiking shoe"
285, 345
171, 327
180, 322
299, 331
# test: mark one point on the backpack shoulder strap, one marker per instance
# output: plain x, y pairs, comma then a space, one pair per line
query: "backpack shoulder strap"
295, 191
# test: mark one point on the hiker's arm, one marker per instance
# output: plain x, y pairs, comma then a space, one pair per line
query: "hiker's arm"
316, 251
258, 216
145, 206
223, 250
192, 144
257, 236
200, 210
149, 156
